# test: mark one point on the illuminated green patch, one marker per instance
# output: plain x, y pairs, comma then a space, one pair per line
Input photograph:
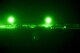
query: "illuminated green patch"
11, 26
24, 25
64, 27
34, 37
7, 26
32, 26
47, 25
2, 26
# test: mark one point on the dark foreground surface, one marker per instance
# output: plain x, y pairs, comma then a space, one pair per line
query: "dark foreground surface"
39, 40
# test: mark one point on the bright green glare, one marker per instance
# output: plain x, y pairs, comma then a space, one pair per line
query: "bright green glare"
11, 20
48, 20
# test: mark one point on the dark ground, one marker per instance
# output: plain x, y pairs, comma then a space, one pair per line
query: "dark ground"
46, 41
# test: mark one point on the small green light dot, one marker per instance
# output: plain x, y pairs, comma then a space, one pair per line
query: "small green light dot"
64, 27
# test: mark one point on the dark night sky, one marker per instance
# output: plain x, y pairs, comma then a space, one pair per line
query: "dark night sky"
34, 11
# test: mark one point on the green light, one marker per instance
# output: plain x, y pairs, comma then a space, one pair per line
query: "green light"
11, 26
32, 26
47, 25
7, 26
64, 27
48, 20
24, 25
11, 20
2, 26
